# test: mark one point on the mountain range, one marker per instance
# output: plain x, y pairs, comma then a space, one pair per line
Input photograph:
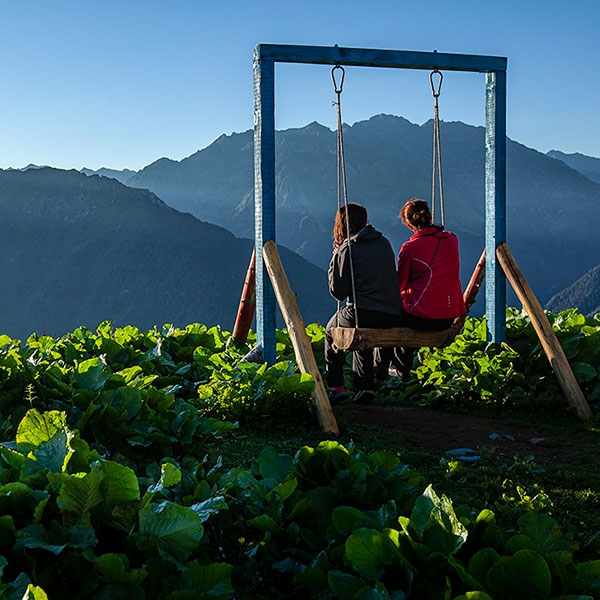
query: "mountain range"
552, 208
171, 243
586, 165
78, 250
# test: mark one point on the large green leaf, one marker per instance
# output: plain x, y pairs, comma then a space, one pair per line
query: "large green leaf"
523, 576
108, 483
36, 536
545, 533
481, 562
170, 475
119, 483
436, 522
209, 581
19, 499
347, 518
126, 400
264, 523
298, 383
92, 374
382, 461
176, 529
369, 552
79, 495
36, 428
115, 568
273, 465
52, 455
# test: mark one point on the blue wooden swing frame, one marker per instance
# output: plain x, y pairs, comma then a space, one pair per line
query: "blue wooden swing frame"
265, 57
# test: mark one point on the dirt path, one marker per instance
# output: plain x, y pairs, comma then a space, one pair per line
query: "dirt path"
442, 432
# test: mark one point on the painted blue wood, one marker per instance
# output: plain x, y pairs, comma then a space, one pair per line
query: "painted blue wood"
264, 200
495, 203
370, 57
265, 57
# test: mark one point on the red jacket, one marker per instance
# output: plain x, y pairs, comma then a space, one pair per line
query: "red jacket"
429, 275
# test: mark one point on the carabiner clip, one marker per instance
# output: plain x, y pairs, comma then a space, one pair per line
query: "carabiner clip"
434, 91
336, 89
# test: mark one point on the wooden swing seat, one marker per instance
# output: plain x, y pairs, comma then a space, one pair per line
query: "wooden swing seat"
349, 339
360, 338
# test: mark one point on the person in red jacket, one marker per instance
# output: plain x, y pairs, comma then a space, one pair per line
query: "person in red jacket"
429, 278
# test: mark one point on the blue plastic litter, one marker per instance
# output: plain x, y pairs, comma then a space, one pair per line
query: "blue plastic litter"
502, 436
464, 454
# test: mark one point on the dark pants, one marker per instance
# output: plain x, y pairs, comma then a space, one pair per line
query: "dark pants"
362, 360
402, 359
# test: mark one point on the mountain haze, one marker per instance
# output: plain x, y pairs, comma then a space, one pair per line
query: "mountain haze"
388, 161
77, 250
586, 165
583, 294
120, 175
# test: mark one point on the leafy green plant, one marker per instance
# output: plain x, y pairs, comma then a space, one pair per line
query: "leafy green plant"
111, 482
472, 373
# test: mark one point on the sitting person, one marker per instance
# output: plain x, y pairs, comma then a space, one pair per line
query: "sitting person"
428, 274
363, 273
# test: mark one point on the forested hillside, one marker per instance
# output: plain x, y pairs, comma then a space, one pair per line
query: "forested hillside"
77, 250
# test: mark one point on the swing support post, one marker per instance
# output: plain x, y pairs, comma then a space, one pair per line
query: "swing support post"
245, 314
554, 352
298, 336
265, 57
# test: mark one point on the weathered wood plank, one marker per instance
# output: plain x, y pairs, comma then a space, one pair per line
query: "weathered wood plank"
550, 343
350, 338
297, 331
247, 307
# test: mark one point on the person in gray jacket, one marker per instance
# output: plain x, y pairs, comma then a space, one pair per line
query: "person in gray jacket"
362, 273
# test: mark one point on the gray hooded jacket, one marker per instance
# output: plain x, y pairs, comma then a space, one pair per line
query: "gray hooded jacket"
375, 280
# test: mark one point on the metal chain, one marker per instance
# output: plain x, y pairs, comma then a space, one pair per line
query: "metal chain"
341, 176
436, 175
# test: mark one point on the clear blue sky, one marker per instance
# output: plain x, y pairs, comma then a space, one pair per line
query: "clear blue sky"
122, 83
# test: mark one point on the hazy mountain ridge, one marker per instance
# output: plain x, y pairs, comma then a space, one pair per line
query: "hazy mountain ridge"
388, 161
77, 250
583, 294
586, 165
120, 175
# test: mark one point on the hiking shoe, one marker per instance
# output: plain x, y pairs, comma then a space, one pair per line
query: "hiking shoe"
364, 397
337, 397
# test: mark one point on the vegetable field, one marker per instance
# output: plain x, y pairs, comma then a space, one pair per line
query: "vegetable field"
119, 475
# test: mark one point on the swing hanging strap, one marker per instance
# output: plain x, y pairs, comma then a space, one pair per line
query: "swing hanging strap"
436, 175
342, 192
341, 161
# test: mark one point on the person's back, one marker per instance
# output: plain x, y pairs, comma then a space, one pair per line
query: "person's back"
373, 268
362, 272
429, 275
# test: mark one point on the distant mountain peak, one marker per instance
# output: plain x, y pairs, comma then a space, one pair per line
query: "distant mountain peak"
586, 165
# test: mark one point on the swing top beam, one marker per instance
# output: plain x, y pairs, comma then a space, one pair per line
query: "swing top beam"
372, 57
265, 57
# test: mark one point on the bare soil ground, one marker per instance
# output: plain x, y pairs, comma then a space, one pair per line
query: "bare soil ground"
442, 432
